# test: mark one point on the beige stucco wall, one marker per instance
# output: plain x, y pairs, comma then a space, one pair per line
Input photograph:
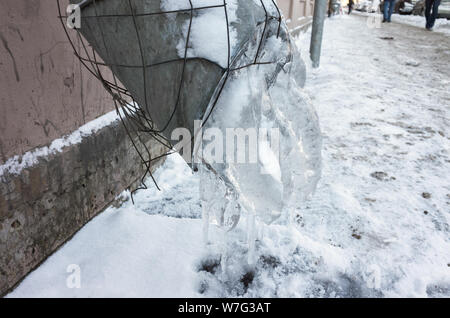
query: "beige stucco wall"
295, 10
44, 92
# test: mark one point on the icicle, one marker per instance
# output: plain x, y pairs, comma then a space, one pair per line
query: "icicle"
224, 248
251, 219
205, 219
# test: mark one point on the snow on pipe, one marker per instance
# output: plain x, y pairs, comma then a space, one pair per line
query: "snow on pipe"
226, 64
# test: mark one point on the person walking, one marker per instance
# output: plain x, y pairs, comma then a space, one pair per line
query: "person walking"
350, 6
431, 12
388, 9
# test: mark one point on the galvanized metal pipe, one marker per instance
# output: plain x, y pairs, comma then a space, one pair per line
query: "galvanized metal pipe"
320, 8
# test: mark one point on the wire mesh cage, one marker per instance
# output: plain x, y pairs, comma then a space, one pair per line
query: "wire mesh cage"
127, 45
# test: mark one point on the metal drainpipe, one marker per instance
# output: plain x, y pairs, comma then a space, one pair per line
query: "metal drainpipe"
320, 8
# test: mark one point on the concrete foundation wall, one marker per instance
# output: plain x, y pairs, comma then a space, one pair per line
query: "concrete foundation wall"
47, 203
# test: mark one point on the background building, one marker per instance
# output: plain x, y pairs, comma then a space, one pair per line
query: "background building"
297, 12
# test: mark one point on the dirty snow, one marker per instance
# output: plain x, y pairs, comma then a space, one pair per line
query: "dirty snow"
378, 225
441, 25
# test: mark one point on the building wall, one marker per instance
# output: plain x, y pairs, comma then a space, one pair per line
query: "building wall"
45, 94
44, 91
296, 12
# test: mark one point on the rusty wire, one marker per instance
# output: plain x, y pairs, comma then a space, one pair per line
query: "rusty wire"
134, 118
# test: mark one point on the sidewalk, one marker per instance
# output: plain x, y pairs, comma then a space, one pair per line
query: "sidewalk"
378, 225
383, 99
441, 25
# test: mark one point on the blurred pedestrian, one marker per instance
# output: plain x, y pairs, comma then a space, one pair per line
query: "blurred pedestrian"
350, 6
431, 12
387, 10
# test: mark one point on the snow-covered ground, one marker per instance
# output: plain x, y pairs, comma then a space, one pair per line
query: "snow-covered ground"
142, 250
441, 25
377, 226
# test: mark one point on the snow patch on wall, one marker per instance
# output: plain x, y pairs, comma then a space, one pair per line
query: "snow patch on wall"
16, 164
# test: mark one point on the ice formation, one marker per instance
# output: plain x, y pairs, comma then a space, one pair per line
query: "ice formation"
230, 65
267, 99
